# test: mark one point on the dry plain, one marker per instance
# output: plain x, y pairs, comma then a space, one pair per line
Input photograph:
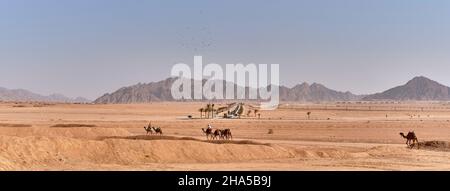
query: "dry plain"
337, 136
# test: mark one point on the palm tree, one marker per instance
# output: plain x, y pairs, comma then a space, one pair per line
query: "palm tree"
201, 112
214, 113
256, 111
208, 109
212, 110
241, 110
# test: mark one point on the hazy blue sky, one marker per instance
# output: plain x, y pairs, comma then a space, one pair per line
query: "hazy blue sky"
89, 47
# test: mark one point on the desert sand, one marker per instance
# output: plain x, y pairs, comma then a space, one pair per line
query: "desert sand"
337, 136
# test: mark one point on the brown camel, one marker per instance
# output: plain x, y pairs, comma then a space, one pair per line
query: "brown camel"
217, 134
208, 133
226, 134
222, 134
148, 129
157, 130
411, 136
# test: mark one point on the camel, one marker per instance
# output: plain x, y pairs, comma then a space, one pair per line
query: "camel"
148, 130
208, 133
222, 134
226, 134
157, 130
411, 136
217, 134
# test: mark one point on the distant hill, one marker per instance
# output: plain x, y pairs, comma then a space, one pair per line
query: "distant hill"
25, 95
419, 88
314, 93
140, 93
161, 91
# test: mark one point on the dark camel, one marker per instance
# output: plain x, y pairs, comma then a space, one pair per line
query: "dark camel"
217, 134
157, 130
208, 133
411, 136
226, 134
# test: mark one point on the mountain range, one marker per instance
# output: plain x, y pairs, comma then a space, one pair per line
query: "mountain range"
419, 88
25, 95
161, 91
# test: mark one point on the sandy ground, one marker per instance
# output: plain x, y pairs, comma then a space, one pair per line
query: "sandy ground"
337, 136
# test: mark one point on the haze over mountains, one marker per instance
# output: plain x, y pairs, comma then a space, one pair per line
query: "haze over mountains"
314, 93
161, 91
25, 95
419, 88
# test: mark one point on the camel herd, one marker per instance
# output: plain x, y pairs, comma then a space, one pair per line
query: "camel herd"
150, 129
217, 134
224, 134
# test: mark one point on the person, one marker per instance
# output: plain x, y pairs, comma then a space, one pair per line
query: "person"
209, 126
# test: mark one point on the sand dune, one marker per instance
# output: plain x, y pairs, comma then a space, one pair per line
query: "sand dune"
82, 132
44, 152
